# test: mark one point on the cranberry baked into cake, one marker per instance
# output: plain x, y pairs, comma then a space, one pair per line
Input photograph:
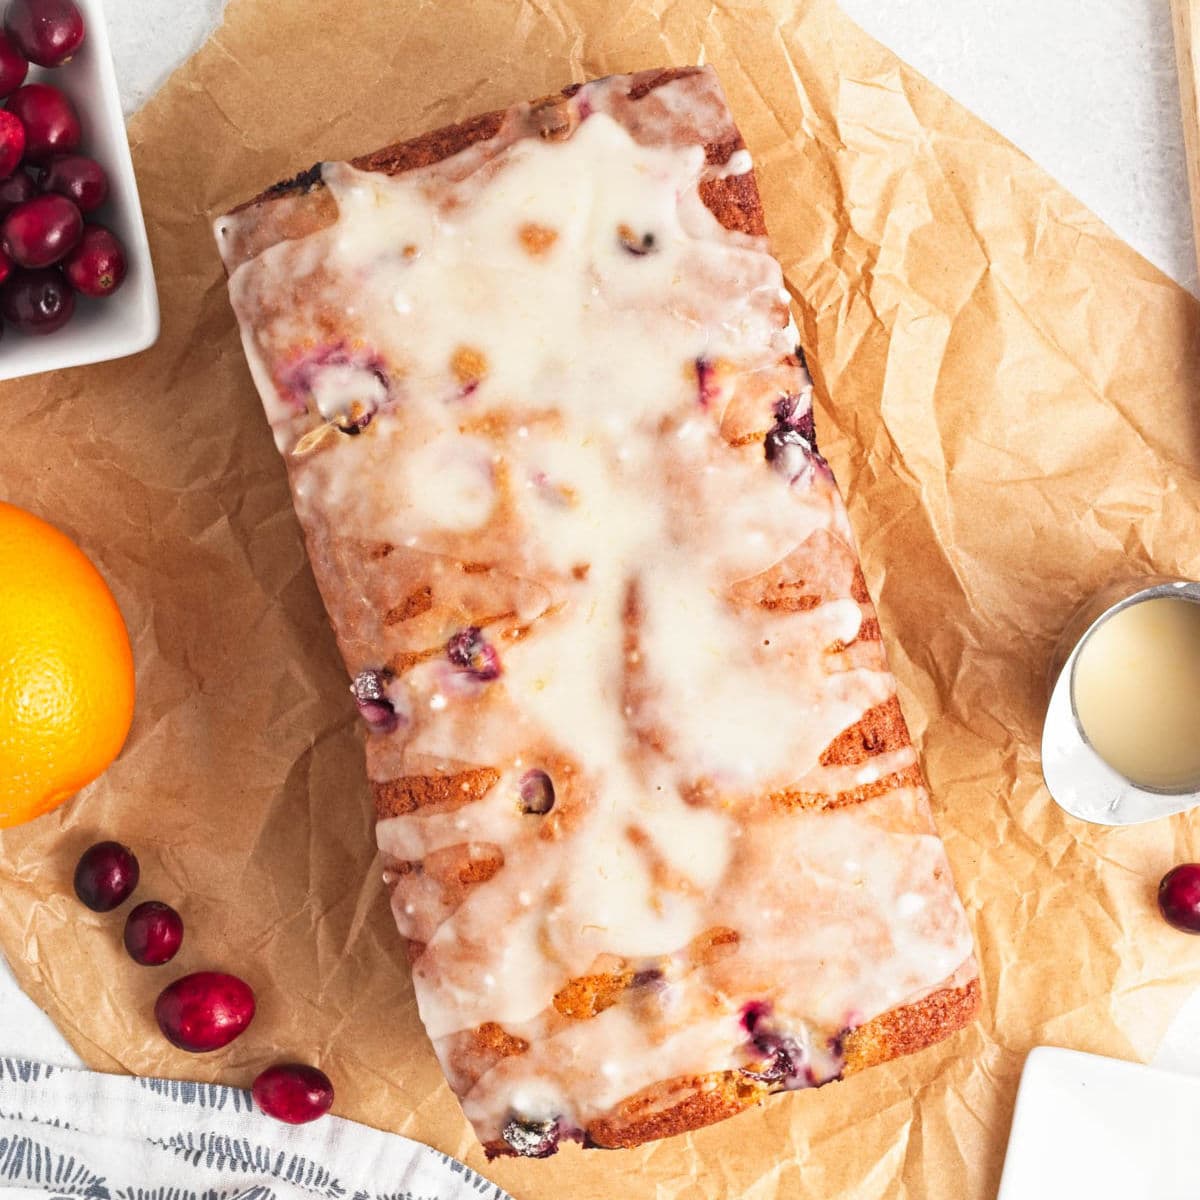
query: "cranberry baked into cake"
654, 828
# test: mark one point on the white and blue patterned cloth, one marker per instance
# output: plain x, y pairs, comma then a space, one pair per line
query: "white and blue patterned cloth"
70, 1133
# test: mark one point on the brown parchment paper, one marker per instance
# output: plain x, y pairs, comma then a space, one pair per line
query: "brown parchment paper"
1008, 397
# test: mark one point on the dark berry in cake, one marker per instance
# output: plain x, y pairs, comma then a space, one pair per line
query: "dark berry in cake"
301, 380
354, 422
531, 1139
753, 1013
779, 438
469, 650
369, 691
790, 445
537, 793
837, 1043
639, 245
781, 1061
706, 381
646, 978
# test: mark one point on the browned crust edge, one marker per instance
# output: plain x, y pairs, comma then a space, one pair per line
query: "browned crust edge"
421, 151
707, 1099
734, 200
912, 1027
428, 148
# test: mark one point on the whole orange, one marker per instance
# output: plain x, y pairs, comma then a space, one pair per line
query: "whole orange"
66, 669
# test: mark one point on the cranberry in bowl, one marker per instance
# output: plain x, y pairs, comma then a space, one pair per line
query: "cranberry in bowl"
112, 310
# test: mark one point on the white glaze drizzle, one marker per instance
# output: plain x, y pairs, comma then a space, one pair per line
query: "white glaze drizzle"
546, 409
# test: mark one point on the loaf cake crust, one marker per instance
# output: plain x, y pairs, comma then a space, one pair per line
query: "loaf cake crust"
397, 616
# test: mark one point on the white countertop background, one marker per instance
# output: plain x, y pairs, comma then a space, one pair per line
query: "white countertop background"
1088, 91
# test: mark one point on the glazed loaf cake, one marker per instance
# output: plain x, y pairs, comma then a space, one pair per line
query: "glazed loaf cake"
653, 825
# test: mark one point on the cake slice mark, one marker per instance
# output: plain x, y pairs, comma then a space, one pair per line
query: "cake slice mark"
587, 996
868, 631
471, 1054
880, 730
789, 799
427, 892
712, 945
673, 1105
458, 869
858, 586
501, 1043
786, 601
413, 793
736, 198
819, 571
633, 683
416, 603
536, 239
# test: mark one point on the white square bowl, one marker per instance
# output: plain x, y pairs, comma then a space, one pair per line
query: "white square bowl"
1103, 1129
126, 321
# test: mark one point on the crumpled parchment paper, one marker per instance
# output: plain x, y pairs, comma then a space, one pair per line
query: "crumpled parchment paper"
1008, 398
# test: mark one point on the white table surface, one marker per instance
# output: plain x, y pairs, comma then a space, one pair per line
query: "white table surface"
1089, 92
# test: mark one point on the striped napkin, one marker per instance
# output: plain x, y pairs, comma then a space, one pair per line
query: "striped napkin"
67, 1133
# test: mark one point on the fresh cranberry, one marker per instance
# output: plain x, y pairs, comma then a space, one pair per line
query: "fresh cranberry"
36, 302
469, 650
293, 1093
13, 66
374, 706
51, 123
153, 933
12, 143
106, 876
41, 231
96, 267
6, 266
47, 32
1179, 897
531, 1139
14, 190
537, 793
81, 179
204, 1011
